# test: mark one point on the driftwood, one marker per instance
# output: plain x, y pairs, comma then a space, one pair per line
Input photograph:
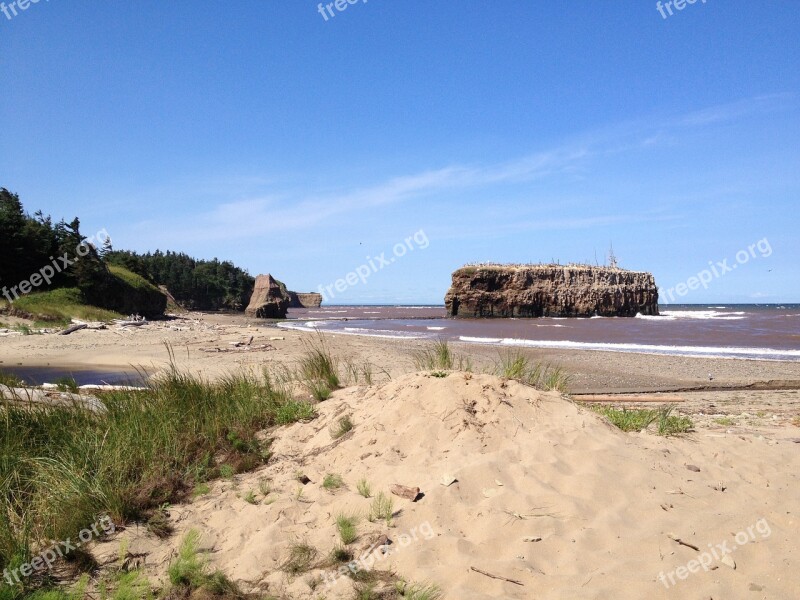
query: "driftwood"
514, 581
683, 543
90, 324
50, 398
73, 329
122, 323
405, 492
621, 398
240, 348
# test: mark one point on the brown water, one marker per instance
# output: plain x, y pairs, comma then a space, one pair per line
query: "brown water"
766, 332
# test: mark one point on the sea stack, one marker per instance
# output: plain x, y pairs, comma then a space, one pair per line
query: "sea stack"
497, 290
270, 299
305, 300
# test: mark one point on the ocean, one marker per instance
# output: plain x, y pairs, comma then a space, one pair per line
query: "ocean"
736, 331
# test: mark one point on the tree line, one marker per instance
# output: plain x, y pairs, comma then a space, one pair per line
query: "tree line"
29, 242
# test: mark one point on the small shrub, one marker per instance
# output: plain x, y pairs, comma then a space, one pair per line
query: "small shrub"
343, 426
346, 525
364, 488
265, 486
725, 421
439, 374
332, 482
250, 497
227, 471
382, 508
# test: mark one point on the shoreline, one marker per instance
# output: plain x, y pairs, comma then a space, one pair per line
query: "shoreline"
202, 343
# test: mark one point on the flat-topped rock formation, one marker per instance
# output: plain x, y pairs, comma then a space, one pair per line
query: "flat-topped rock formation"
550, 291
301, 300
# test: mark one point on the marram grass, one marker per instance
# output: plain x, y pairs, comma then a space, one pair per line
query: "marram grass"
61, 468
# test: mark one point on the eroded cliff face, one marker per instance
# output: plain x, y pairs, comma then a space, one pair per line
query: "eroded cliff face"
270, 299
550, 291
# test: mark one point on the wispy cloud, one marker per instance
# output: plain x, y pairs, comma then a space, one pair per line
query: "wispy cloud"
285, 211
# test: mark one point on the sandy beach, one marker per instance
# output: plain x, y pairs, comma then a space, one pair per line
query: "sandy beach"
523, 493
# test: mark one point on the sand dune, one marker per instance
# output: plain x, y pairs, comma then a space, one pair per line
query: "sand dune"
528, 465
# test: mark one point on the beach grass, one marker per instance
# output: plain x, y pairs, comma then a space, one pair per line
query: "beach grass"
300, 558
364, 488
514, 364
61, 468
343, 426
317, 365
438, 356
639, 419
332, 481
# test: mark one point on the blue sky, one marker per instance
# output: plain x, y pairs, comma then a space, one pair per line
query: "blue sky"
259, 132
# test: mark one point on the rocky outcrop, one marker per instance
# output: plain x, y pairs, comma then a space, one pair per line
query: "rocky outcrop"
270, 299
550, 291
301, 300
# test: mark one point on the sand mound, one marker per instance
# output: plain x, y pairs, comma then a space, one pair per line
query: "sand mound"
547, 494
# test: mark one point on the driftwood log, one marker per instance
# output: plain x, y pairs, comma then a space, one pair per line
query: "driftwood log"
73, 329
408, 493
24, 396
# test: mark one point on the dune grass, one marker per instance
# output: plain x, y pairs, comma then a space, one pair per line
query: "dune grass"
640, 419
62, 467
514, 364
318, 365
342, 427
439, 356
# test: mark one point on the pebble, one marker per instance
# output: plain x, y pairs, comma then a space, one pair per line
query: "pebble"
728, 561
693, 468
532, 538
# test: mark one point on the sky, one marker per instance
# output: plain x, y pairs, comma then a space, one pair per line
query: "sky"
406, 139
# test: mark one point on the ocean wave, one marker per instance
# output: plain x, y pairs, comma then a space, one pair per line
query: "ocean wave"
303, 325
696, 351
380, 333
436, 328
672, 315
